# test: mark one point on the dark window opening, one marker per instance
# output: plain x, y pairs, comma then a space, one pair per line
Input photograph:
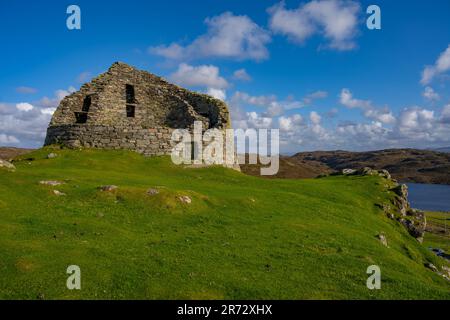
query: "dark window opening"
130, 111
194, 150
81, 117
130, 93
86, 104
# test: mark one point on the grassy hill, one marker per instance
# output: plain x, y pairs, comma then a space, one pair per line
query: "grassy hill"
241, 237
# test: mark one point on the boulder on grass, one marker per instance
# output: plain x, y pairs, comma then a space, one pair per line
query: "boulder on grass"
347, 172
382, 239
51, 182
185, 199
58, 193
108, 188
7, 165
152, 191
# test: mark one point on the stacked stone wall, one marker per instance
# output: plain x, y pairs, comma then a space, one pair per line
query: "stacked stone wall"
97, 115
147, 141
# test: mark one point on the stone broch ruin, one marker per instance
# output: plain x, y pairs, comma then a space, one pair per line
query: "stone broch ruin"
126, 108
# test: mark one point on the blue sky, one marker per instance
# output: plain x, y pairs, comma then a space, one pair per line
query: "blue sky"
310, 68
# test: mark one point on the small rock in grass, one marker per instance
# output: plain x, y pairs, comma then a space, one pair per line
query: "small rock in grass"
51, 182
152, 192
348, 171
185, 199
7, 165
108, 188
431, 266
382, 239
385, 174
446, 270
58, 193
366, 171
51, 155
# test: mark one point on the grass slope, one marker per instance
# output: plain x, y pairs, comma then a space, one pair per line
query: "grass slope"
438, 227
241, 237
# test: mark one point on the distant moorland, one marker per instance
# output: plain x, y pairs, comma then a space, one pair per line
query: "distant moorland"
406, 165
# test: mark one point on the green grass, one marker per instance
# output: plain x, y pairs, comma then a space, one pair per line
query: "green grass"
241, 237
439, 222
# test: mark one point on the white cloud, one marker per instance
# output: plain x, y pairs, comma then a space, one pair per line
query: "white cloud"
415, 119
383, 115
49, 111
7, 140
430, 94
332, 113
416, 128
314, 96
24, 124
290, 123
241, 75
217, 93
336, 20
59, 95
445, 115
228, 36
346, 99
255, 120
84, 77
26, 90
441, 66
24, 106
199, 76
273, 110
315, 117
172, 51
260, 101
273, 107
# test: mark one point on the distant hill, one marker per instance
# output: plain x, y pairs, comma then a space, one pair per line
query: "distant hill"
7, 153
291, 168
447, 149
408, 165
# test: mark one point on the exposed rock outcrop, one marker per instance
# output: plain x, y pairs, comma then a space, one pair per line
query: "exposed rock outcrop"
412, 219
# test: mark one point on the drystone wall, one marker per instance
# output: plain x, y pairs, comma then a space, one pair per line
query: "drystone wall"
126, 108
